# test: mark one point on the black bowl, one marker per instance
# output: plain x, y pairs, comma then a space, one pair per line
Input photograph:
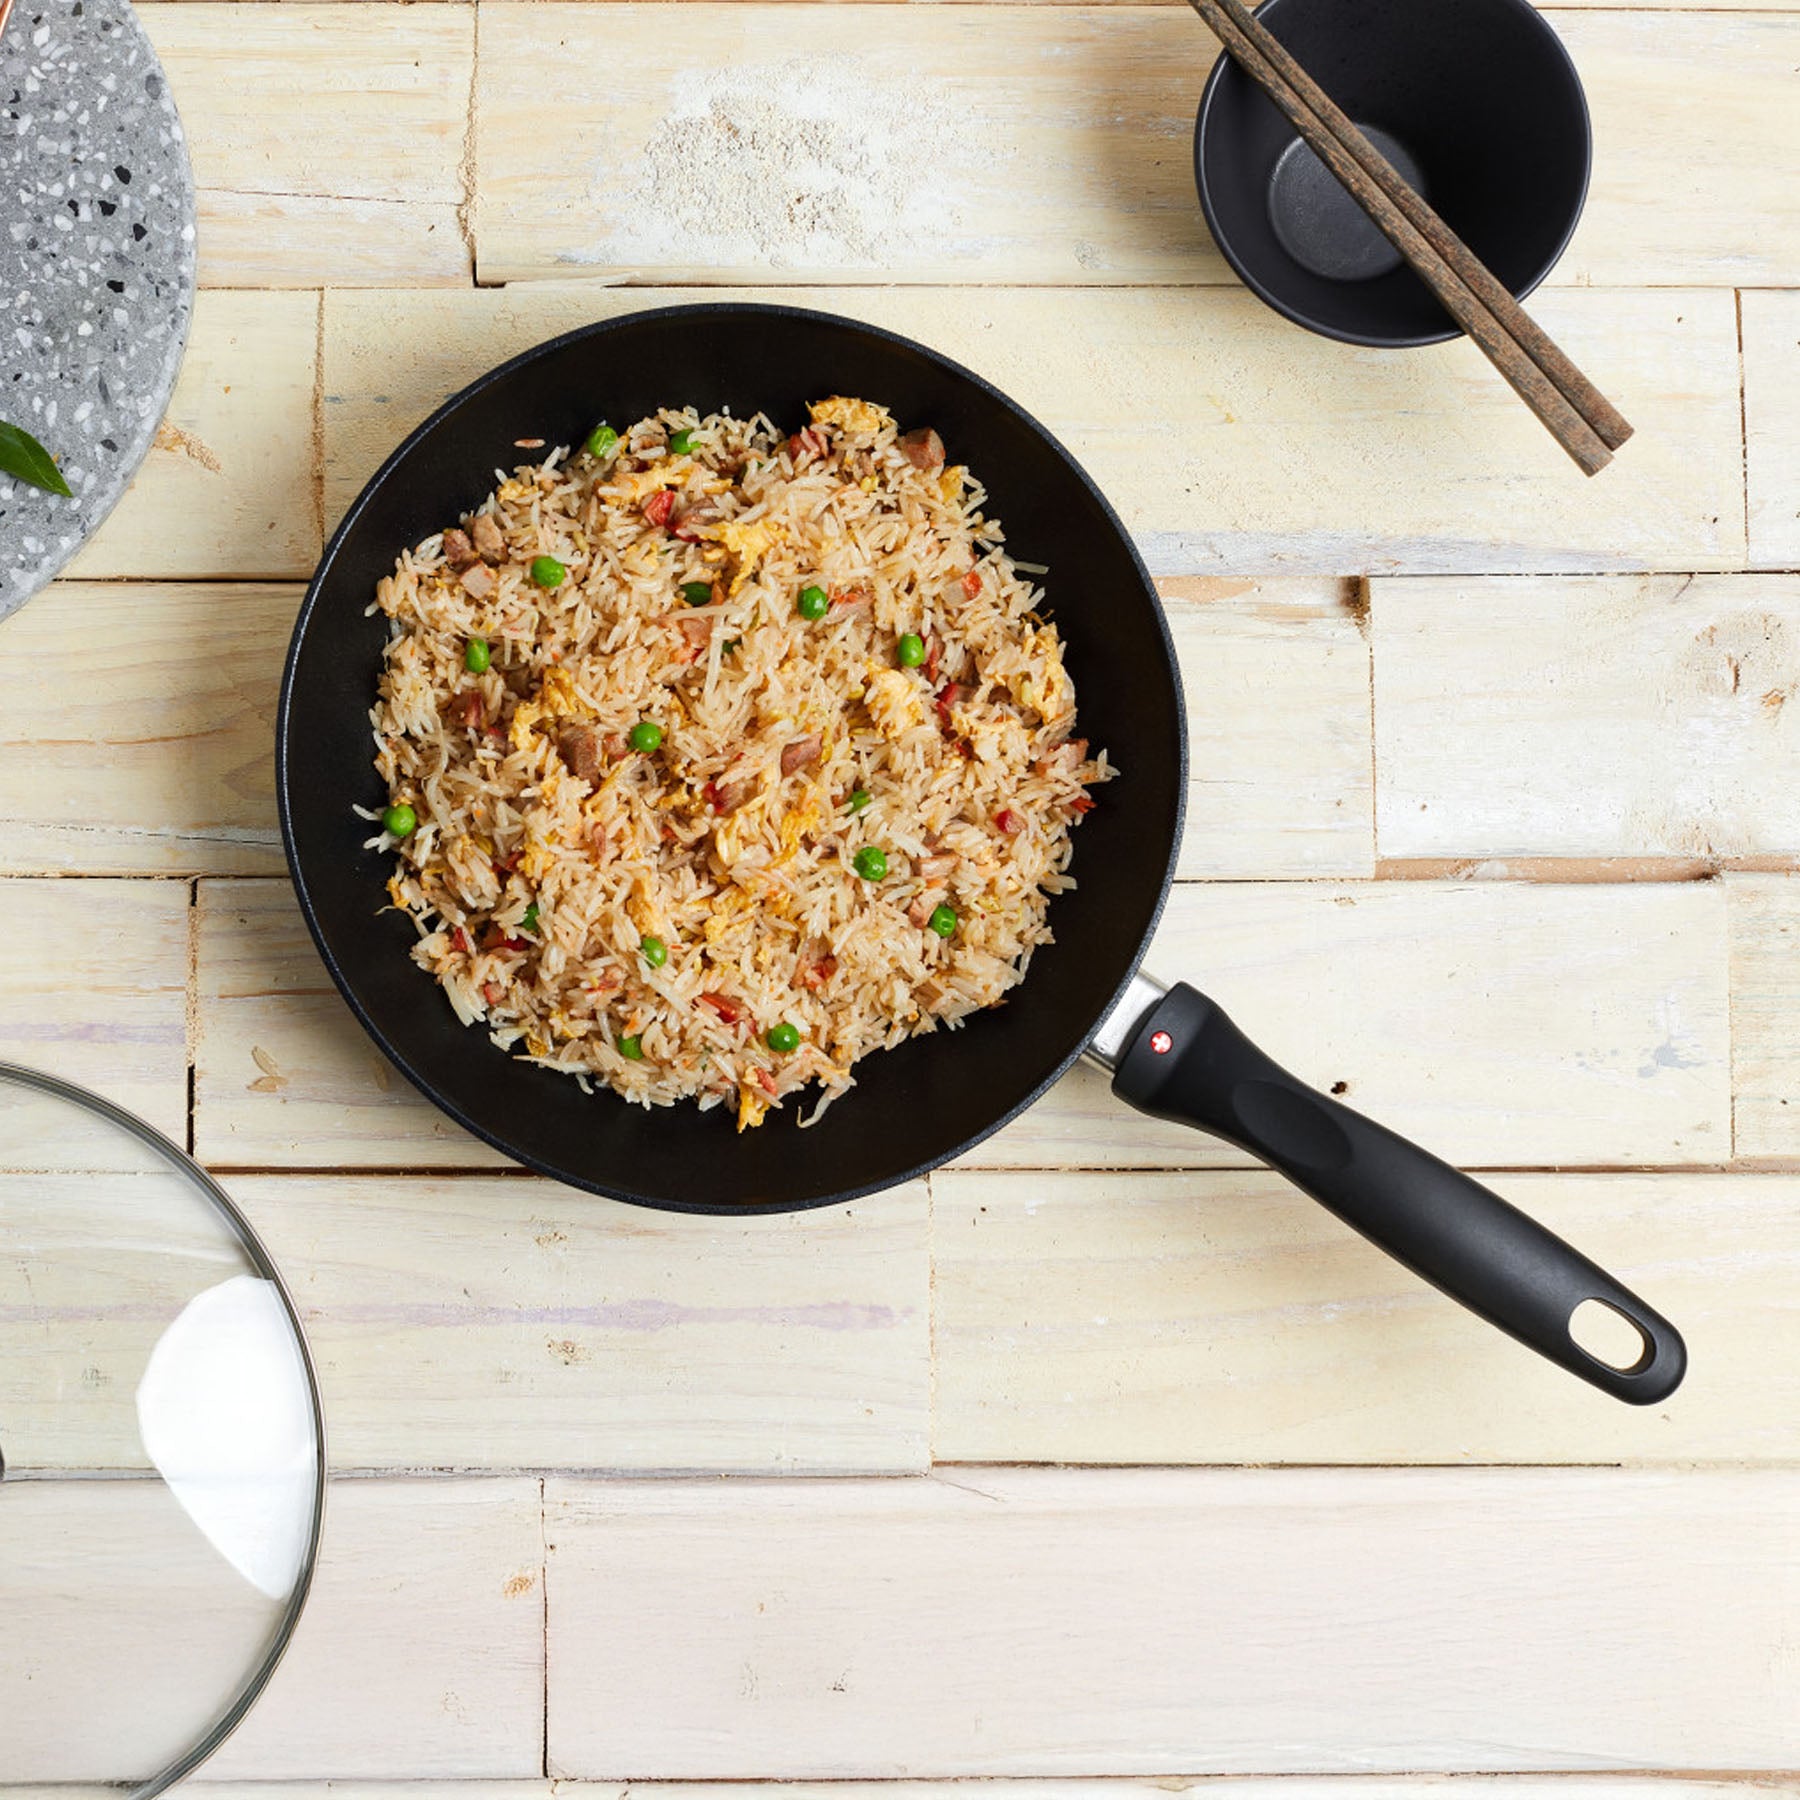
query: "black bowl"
1485, 109
912, 1107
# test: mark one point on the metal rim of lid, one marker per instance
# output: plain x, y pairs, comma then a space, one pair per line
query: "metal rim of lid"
250, 1690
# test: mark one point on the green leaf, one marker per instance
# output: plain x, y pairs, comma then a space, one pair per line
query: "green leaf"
25, 459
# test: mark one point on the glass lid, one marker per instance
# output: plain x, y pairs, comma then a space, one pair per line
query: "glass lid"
163, 1480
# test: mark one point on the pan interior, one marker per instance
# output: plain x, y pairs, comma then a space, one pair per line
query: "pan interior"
913, 1107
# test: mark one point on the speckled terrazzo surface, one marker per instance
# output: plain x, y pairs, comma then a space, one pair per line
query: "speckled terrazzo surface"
96, 266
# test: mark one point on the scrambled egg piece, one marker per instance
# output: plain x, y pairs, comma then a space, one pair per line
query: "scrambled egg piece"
751, 1109
998, 741
852, 415
893, 703
1052, 698
632, 489
557, 693
525, 715
749, 543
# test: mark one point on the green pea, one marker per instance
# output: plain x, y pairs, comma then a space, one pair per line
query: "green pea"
911, 649
530, 921
943, 920
870, 863
696, 593
547, 572
813, 603
632, 1049
476, 656
646, 735
859, 800
400, 821
602, 442
783, 1038
654, 951
681, 442
732, 648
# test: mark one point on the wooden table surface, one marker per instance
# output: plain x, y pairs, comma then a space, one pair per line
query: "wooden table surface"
1100, 1454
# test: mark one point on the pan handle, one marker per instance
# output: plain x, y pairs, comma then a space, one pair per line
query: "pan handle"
1189, 1063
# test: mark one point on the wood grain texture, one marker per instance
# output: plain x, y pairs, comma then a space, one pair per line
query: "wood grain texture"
284, 1077
1148, 1620
465, 1323
1588, 717
1765, 1005
327, 144
125, 750
1430, 465
1504, 1025
1275, 675
1771, 328
96, 993
760, 142
1224, 1318
421, 1651
231, 487
1500, 1025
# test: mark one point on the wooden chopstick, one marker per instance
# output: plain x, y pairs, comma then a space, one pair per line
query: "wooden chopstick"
1580, 418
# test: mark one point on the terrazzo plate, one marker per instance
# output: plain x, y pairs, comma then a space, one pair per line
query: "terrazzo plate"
96, 267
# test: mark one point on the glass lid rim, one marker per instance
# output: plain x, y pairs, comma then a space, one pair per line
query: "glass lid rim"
250, 1690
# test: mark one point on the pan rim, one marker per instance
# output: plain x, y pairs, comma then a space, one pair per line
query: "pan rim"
284, 757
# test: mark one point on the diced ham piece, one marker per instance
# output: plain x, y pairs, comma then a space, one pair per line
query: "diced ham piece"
458, 551
494, 938
459, 941
810, 442
971, 583
487, 537
801, 753
491, 992
848, 599
934, 656
948, 695
478, 581
768, 1083
1084, 804
935, 868
1009, 821
468, 709
815, 973
919, 913
924, 449
728, 1009
579, 747
616, 744
659, 509
695, 633
728, 796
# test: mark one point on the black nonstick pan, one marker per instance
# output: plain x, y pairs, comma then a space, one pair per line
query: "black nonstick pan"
1172, 1052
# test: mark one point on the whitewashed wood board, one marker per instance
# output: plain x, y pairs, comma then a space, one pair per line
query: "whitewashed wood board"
1771, 329
231, 487
479, 1323
987, 1621
96, 993
1765, 1015
1224, 1318
1503, 1024
328, 143
150, 751
1199, 413
1033, 144
1588, 716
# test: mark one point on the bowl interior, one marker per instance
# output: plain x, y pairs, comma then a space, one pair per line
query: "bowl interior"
1479, 93
912, 1107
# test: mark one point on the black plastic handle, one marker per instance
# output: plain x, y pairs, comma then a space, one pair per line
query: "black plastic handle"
1188, 1062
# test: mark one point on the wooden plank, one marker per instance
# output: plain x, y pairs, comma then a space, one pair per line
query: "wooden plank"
1131, 1621
995, 144
1504, 1025
1765, 1001
284, 1077
1276, 679
1771, 328
231, 488
1431, 465
327, 146
1223, 1318
1588, 717
489, 1324
95, 992
420, 1652
146, 750
1501, 1025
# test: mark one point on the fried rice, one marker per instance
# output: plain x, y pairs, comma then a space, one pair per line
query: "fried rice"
719, 758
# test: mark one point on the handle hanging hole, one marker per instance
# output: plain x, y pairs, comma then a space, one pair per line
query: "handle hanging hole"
1609, 1336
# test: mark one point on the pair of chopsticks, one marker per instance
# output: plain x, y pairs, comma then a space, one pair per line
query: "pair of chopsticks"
1574, 411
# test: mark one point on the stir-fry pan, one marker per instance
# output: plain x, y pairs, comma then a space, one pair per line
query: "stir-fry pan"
1171, 1051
